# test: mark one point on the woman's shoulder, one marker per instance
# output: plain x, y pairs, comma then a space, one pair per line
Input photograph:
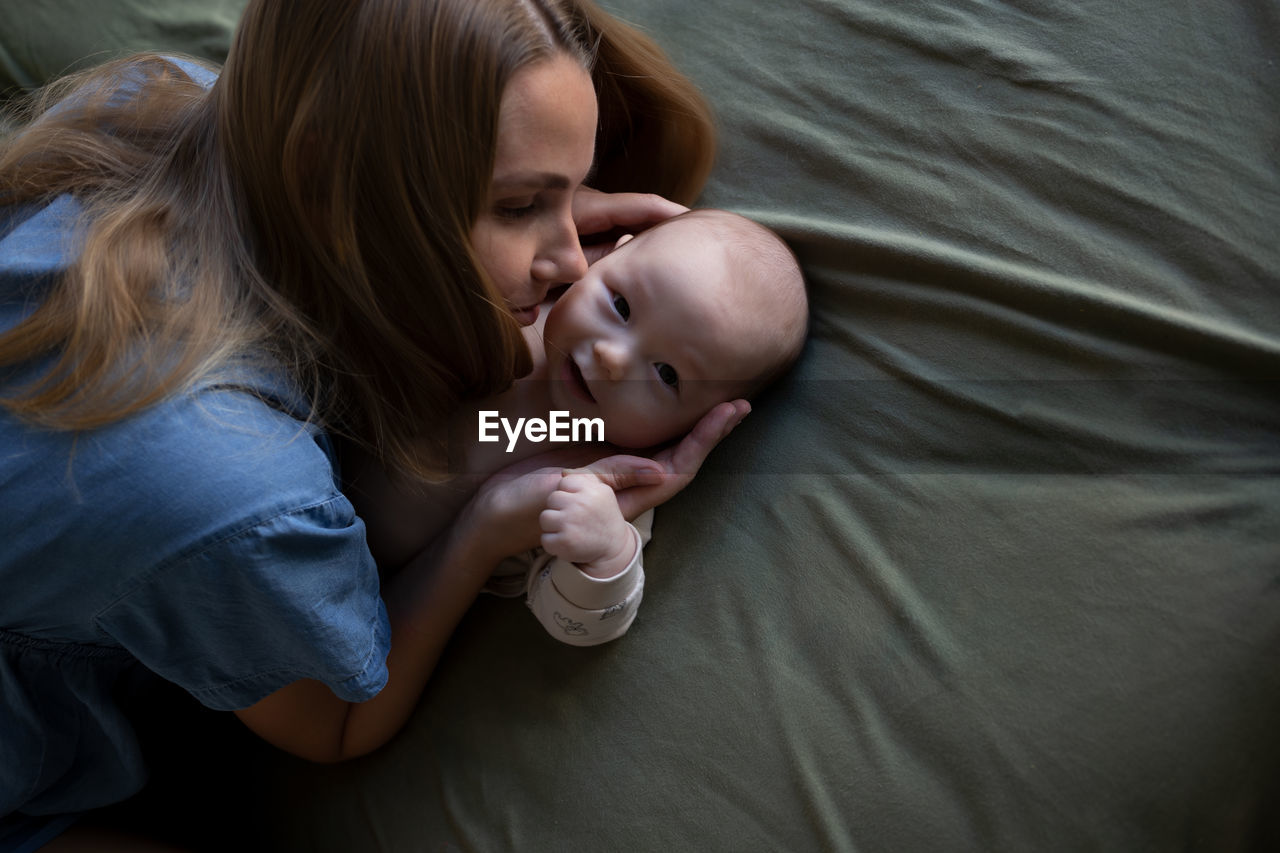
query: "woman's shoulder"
244, 444
194, 468
38, 239
221, 477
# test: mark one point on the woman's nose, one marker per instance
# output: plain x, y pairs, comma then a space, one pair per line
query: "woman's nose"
612, 358
561, 260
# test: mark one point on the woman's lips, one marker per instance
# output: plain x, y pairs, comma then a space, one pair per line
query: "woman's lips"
525, 316
574, 379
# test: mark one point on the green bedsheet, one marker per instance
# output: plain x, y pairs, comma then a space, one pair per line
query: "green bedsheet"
41, 39
998, 566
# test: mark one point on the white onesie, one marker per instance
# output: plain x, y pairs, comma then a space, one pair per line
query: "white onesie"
573, 606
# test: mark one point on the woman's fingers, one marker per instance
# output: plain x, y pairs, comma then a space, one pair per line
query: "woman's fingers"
627, 472
687, 457
517, 497
595, 212
681, 463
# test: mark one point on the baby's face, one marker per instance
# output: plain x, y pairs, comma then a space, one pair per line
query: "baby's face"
650, 340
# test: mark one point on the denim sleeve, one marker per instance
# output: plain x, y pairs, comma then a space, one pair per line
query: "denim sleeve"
294, 596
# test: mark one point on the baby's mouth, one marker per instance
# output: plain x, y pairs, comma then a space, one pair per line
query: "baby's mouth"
577, 382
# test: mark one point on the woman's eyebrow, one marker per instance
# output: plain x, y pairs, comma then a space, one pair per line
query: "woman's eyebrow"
532, 180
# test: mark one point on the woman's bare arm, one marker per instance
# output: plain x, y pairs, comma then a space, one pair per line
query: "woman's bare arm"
425, 601
428, 597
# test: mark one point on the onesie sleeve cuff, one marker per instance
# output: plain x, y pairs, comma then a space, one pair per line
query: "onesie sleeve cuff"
592, 593
581, 610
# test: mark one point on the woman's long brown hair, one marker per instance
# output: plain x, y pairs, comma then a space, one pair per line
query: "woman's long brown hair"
313, 209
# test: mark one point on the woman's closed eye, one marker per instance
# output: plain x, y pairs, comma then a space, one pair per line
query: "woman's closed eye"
621, 306
515, 209
667, 374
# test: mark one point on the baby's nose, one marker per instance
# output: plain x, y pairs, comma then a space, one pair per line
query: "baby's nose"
612, 358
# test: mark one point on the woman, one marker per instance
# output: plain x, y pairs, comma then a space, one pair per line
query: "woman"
210, 287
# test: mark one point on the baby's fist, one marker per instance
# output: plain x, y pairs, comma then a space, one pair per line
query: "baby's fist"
582, 524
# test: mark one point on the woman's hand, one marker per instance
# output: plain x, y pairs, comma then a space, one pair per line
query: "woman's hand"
607, 216
678, 464
507, 506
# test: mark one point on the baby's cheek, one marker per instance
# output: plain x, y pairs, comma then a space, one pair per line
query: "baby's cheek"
628, 426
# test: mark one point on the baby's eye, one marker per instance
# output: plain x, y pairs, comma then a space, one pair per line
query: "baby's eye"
668, 374
620, 305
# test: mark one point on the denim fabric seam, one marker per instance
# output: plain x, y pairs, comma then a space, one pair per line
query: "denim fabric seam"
195, 550
141, 578
68, 648
19, 641
365, 666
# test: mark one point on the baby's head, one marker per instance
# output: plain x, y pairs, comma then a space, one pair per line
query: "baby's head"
702, 308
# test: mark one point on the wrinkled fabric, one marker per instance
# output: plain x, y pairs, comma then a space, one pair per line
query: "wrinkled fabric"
996, 568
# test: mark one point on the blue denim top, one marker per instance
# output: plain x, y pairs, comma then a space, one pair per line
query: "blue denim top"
204, 542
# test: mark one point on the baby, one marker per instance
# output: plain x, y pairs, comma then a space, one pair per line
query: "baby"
703, 308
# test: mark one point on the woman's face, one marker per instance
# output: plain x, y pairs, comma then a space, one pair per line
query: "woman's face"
525, 236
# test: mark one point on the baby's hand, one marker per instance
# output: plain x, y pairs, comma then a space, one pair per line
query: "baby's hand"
582, 524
